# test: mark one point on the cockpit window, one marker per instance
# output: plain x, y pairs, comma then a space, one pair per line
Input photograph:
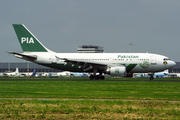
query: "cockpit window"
166, 59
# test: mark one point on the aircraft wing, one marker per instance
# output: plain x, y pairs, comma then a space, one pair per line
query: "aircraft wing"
86, 65
24, 56
5, 74
8, 74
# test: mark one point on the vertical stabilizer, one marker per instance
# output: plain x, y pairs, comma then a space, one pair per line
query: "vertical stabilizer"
17, 71
34, 72
28, 42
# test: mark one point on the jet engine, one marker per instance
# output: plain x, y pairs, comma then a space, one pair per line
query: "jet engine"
117, 71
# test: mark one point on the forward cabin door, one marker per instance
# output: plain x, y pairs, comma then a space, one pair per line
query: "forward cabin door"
153, 60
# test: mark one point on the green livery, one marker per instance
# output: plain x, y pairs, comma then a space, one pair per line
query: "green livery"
114, 64
28, 42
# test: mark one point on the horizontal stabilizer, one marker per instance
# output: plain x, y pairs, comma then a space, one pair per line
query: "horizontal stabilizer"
24, 56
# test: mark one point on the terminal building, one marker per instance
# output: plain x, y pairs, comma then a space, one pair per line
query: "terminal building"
90, 49
175, 69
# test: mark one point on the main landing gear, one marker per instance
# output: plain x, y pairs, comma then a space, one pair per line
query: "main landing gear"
97, 77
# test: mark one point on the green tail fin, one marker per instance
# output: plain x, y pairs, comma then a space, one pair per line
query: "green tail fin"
28, 42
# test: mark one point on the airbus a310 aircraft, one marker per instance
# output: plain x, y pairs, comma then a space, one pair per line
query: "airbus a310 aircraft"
114, 64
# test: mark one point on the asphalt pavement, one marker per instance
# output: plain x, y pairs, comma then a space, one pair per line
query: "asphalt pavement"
72, 79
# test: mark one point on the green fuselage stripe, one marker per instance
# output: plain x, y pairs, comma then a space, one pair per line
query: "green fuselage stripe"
130, 67
77, 68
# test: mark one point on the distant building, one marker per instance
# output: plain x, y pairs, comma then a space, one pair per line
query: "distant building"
90, 49
175, 69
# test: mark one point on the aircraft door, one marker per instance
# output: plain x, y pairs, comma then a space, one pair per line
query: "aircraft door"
153, 60
53, 59
110, 60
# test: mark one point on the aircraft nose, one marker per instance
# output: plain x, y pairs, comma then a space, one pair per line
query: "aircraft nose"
172, 63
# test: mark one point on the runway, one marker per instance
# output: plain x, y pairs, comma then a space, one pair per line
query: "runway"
72, 79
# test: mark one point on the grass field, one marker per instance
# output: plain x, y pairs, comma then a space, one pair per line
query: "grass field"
91, 89
153, 100
88, 109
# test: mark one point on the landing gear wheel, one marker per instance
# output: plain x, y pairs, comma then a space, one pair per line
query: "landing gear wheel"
151, 77
91, 77
97, 77
102, 78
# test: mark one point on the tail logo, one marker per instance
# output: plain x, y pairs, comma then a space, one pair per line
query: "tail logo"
27, 40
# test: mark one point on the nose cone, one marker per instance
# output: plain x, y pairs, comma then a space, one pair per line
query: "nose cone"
174, 64
171, 63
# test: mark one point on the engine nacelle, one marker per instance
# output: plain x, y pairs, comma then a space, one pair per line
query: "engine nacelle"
117, 71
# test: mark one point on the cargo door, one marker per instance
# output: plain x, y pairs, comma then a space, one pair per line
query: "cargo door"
53, 59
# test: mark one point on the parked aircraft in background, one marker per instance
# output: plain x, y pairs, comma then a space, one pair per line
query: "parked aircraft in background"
65, 74
29, 74
12, 74
174, 75
59, 74
178, 75
114, 64
80, 74
161, 74
156, 75
44, 75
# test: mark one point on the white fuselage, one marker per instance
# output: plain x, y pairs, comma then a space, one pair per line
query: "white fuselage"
12, 74
145, 62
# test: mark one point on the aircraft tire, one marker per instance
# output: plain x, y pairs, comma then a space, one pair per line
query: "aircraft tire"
102, 77
151, 77
91, 77
97, 77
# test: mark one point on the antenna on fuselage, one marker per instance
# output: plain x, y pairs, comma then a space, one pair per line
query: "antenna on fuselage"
130, 44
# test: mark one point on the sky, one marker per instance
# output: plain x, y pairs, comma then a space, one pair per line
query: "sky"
151, 26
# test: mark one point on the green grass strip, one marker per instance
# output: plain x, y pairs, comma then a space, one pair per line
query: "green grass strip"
91, 89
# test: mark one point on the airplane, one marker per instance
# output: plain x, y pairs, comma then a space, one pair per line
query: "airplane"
65, 73
59, 74
12, 74
48, 75
45, 75
174, 75
161, 74
114, 64
75, 74
29, 74
156, 74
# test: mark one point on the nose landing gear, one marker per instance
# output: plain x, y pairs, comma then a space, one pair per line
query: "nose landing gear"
151, 76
